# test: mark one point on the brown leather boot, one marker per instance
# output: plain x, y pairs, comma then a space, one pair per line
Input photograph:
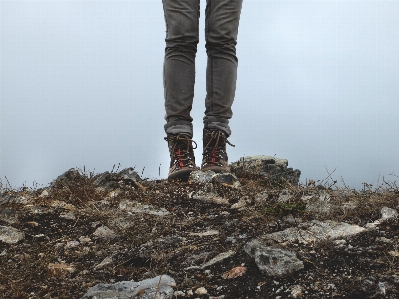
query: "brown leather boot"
182, 160
214, 156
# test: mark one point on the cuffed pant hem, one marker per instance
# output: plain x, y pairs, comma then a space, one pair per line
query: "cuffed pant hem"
218, 124
179, 127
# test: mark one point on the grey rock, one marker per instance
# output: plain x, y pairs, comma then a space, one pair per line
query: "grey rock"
271, 260
105, 262
274, 168
204, 177
10, 235
159, 287
319, 204
137, 207
315, 231
70, 215
285, 196
387, 213
103, 232
296, 291
220, 257
72, 244
262, 197
226, 179
8, 215
210, 197
121, 223
68, 175
129, 174
201, 177
103, 179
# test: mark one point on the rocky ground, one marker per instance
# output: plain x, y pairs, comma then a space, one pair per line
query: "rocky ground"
255, 233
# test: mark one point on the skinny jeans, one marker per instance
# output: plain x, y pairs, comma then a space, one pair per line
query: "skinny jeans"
182, 36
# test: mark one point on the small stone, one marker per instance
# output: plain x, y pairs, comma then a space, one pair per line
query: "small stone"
84, 239
262, 197
238, 205
296, 291
218, 258
59, 269
107, 261
10, 235
129, 174
205, 234
44, 193
383, 239
339, 242
201, 177
201, 291
235, 272
58, 245
137, 207
178, 293
103, 232
387, 213
71, 244
209, 197
190, 293
70, 216
226, 179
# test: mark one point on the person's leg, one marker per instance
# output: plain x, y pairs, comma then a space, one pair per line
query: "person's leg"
181, 17
221, 30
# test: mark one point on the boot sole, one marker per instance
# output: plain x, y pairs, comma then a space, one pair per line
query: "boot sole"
180, 174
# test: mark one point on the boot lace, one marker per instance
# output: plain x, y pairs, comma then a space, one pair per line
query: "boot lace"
212, 156
181, 151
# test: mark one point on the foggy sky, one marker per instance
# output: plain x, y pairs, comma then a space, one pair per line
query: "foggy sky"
81, 85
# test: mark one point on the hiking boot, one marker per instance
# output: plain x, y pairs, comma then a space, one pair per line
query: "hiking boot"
182, 160
214, 156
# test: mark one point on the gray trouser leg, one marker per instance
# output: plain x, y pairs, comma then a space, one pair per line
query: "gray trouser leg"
221, 29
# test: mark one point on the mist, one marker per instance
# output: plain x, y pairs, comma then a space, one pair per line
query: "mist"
81, 86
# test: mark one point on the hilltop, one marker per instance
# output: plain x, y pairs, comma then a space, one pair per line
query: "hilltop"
254, 233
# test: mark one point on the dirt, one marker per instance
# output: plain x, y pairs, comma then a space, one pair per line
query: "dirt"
59, 256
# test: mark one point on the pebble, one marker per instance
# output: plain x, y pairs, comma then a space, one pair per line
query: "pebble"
44, 193
240, 204
107, 261
178, 293
59, 269
103, 232
235, 272
201, 291
297, 291
218, 258
72, 244
207, 233
387, 213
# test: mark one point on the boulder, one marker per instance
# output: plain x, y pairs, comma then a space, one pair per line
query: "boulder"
272, 167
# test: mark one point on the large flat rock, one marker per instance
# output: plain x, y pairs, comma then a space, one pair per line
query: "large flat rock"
315, 231
159, 287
